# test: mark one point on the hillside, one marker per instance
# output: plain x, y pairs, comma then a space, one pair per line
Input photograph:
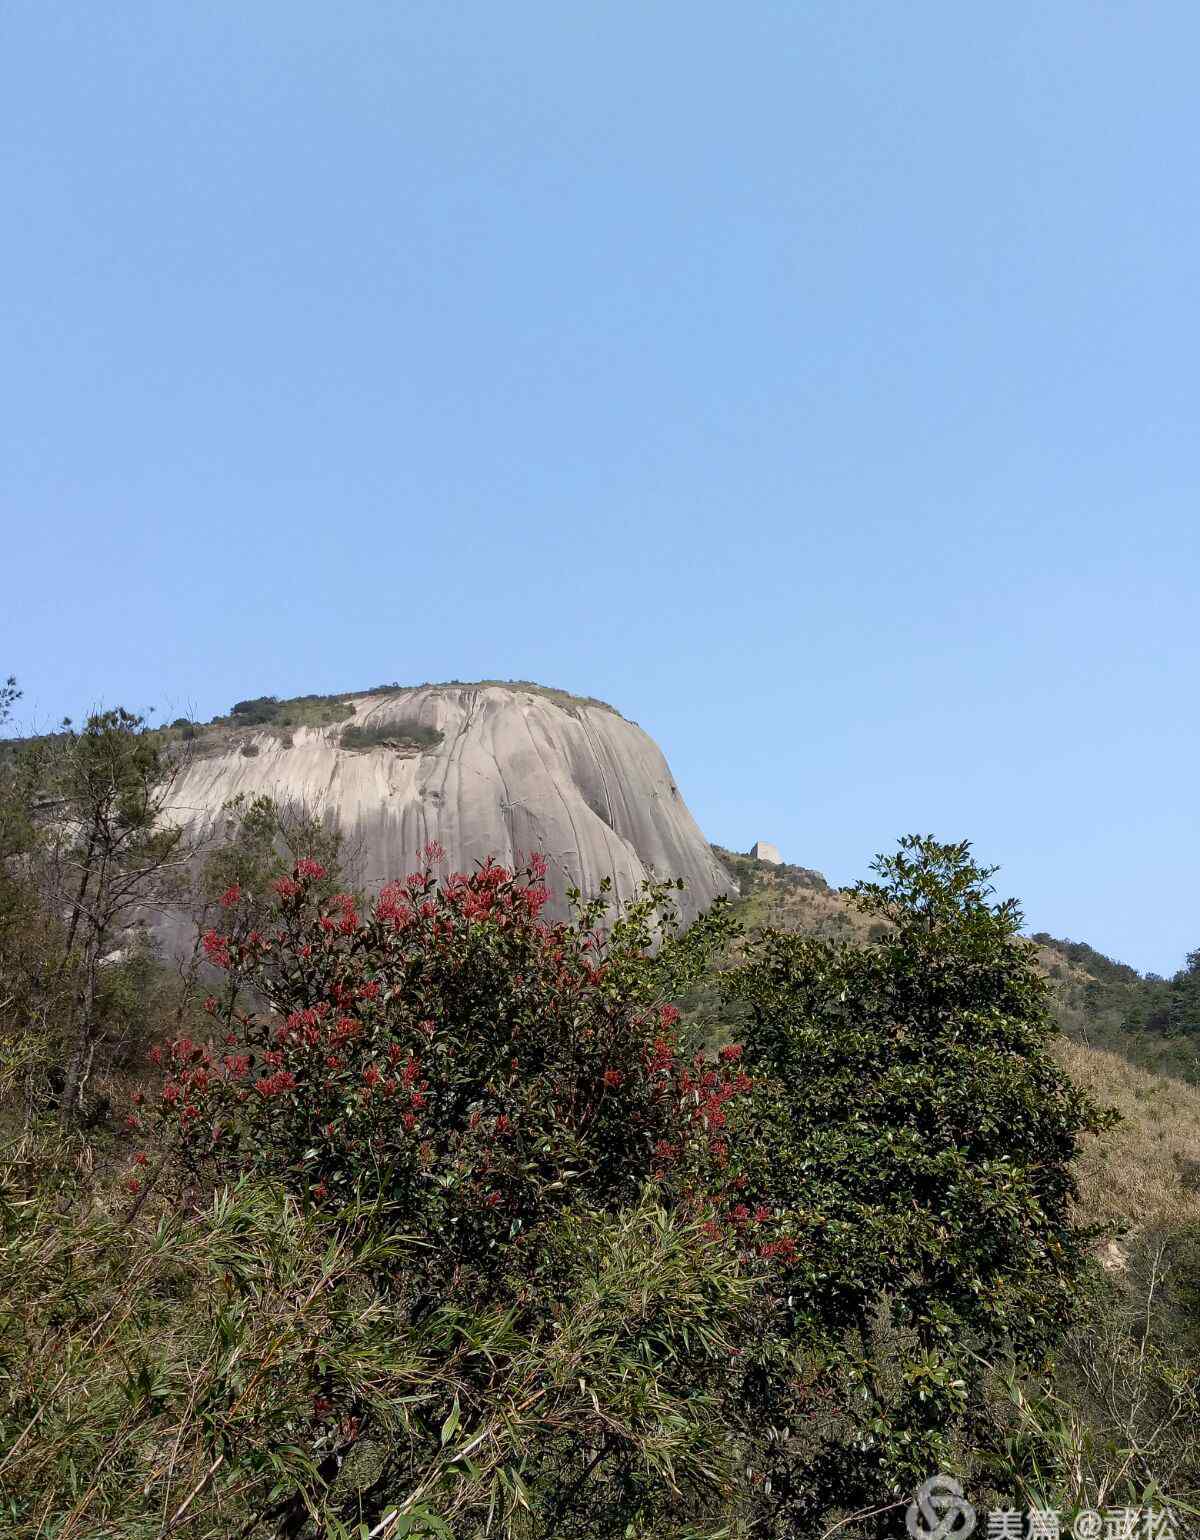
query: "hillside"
1144, 1174
453, 1147
1138, 1180
1151, 1021
1147, 1021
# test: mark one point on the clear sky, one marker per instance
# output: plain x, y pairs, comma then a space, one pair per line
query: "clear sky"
815, 381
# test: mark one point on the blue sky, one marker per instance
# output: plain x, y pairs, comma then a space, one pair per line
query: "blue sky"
815, 382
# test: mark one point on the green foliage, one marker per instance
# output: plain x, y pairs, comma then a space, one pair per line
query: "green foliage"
300, 711
403, 736
313, 711
253, 1365
326, 710
20, 773
1181, 1006
39, 988
1119, 1423
753, 875
79, 843
9, 696
917, 1137
1103, 969
252, 713
442, 1228
260, 837
482, 1071
257, 838
1153, 1022
103, 853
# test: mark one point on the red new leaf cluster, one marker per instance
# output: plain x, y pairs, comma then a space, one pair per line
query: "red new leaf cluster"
455, 1053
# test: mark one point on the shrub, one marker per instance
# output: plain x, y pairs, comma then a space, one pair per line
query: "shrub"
508, 1101
243, 1368
480, 1069
313, 711
299, 711
917, 1137
1119, 1424
394, 735
566, 699
251, 713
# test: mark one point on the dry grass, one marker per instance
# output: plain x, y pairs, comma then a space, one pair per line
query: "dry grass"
1132, 1177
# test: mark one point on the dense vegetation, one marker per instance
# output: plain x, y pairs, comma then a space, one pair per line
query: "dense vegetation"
409, 737
300, 711
1154, 1022
419, 1215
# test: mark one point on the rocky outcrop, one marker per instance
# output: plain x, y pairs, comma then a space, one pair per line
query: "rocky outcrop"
761, 851
515, 770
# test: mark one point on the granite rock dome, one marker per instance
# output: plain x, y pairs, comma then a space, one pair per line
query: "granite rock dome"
488, 769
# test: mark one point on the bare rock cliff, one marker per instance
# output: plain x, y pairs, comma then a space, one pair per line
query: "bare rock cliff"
515, 770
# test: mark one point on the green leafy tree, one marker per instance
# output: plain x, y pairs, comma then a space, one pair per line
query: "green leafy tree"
38, 987
108, 854
14, 791
915, 1140
9, 695
1183, 1007
31, 994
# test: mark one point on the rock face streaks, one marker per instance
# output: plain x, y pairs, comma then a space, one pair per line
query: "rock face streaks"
515, 771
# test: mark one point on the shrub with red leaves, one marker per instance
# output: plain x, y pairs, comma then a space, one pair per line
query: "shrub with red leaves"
450, 1051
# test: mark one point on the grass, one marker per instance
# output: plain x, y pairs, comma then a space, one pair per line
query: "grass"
155, 1362
1134, 1177
202, 1369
